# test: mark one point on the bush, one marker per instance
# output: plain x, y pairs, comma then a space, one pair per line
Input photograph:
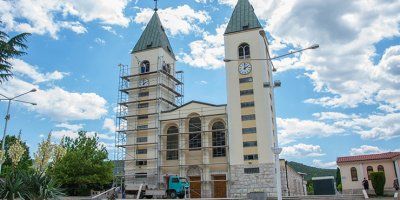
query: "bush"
339, 187
378, 182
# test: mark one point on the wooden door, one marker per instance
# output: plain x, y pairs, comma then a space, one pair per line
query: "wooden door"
219, 186
195, 187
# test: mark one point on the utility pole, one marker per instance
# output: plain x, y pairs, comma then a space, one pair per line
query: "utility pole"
7, 118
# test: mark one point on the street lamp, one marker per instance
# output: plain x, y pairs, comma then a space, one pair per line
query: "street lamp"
7, 118
273, 84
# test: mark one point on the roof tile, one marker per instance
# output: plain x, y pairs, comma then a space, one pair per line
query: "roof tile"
243, 18
154, 36
381, 156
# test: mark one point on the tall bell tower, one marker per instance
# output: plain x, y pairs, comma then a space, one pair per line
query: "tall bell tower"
153, 87
250, 106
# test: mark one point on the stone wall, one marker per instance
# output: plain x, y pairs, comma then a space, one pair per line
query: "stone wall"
242, 184
293, 184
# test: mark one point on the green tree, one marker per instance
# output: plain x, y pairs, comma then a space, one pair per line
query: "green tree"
10, 47
84, 166
25, 163
338, 177
378, 182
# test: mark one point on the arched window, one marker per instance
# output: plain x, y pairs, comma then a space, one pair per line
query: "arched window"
369, 171
218, 139
166, 67
195, 133
172, 143
353, 172
145, 67
244, 51
381, 168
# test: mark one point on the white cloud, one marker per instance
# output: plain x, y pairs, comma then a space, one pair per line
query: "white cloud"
25, 69
180, 20
207, 53
76, 27
72, 131
382, 127
109, 125
293, 129
365, 149
330, 115
49, 16
326, 165
100, 41
302, 150
347, 33
59, 134
55, 102
109, 29
73, 127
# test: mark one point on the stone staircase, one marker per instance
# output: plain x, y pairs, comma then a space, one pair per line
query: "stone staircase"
322, 197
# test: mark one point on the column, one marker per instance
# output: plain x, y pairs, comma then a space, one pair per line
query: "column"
182, 145
397, 168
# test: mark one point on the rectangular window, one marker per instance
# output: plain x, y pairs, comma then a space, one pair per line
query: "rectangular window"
249, 130
246, 92
141, 162
142, 127
141, 175
141, 151
172, 155
251, 157
141, 139
254, 170
248, 117
247, 104
143, 105
143, 94
250, 144
246, 80
143, 117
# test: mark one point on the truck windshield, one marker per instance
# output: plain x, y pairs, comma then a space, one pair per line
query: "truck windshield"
183, 180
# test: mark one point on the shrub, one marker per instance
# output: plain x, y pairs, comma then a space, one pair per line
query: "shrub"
339, 187
378, 182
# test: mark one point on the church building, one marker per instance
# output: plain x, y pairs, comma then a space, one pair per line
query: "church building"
223, 150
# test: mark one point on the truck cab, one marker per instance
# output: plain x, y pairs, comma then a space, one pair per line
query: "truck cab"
177, 186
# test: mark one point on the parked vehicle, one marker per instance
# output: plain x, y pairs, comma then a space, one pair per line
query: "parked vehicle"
173, 187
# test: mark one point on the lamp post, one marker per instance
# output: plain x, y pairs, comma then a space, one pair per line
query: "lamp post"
271, 84
7, 118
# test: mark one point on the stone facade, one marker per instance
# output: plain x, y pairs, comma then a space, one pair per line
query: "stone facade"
242, 183
293, 183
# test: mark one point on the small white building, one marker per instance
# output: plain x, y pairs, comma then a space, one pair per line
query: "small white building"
354, 169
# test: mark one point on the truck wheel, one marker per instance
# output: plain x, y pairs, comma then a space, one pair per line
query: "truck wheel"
172, 195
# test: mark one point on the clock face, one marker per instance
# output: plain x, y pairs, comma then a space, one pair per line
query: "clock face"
245, 68
143, 82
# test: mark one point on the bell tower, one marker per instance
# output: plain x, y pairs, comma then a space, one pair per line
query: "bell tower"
250, 108
153, 87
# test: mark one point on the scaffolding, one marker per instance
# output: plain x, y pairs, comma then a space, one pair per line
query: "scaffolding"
201, 145
144, 108
140, 104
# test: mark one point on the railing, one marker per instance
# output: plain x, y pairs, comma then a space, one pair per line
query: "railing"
107, 194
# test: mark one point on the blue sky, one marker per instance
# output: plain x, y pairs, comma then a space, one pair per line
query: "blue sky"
341, 99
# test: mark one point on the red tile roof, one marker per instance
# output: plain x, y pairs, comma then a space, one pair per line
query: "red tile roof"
381, 156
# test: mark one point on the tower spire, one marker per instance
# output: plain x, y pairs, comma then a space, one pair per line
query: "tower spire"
156, 5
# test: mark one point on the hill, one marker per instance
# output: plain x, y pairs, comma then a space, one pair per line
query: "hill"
311, 171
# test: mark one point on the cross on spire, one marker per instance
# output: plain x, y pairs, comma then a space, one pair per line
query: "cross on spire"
156, 5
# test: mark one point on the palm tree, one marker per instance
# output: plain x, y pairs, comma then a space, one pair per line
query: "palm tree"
10, 48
